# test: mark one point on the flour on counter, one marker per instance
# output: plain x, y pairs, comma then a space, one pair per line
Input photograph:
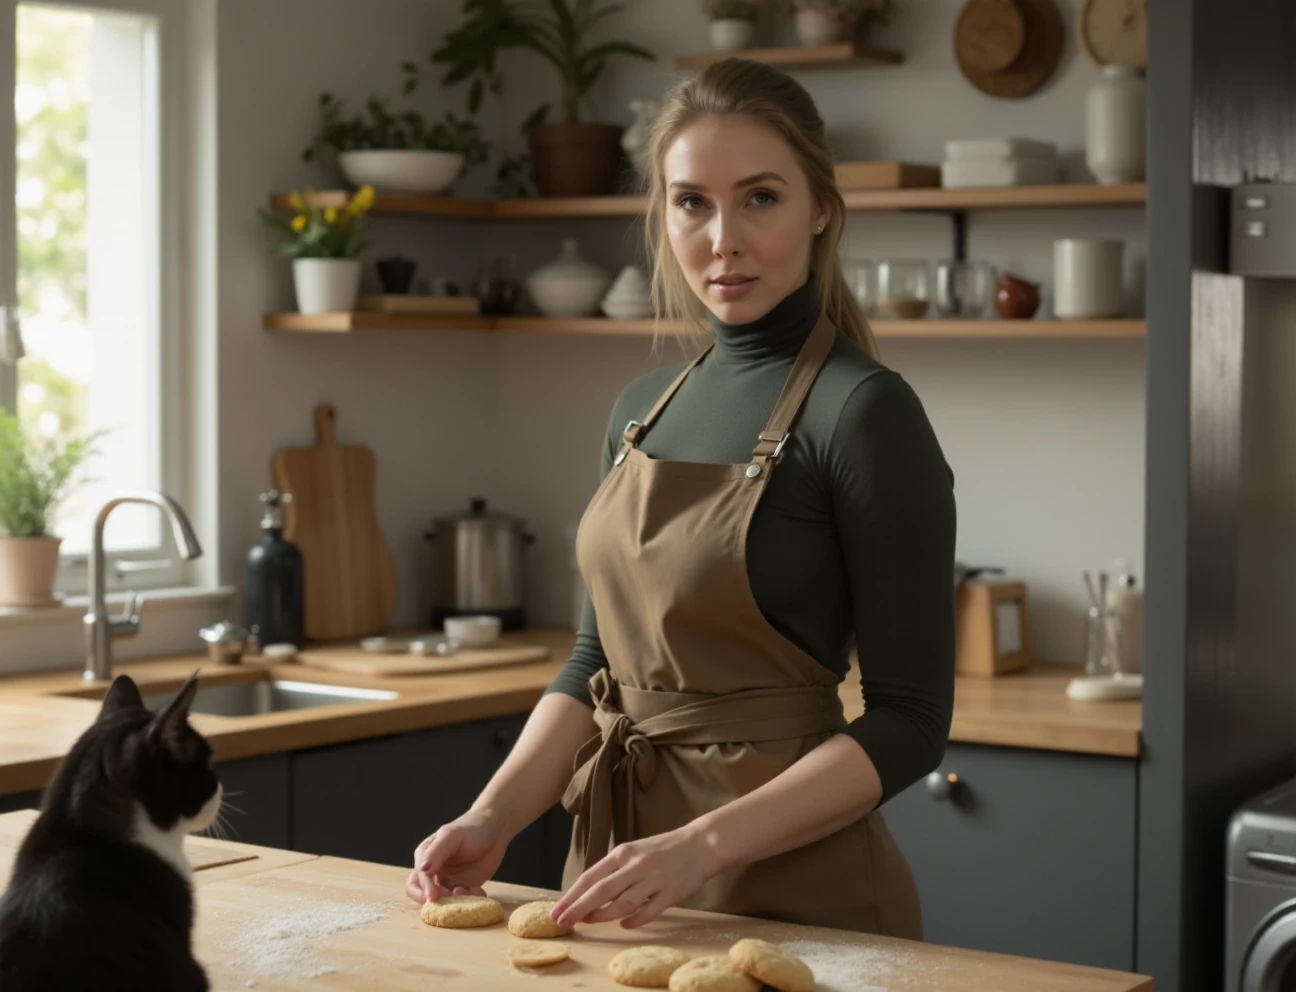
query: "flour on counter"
847, 968
282, 944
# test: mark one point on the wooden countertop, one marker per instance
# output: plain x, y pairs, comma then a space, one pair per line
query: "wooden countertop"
290, 895
37, 728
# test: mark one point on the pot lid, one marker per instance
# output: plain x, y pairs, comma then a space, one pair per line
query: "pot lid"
478, 515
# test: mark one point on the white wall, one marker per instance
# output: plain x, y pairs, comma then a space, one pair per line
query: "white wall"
1046, 438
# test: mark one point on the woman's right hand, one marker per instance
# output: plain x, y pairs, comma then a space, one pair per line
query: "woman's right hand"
459, 858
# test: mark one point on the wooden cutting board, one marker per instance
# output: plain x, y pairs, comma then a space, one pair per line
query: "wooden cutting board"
355, 660
351, 582
886, 175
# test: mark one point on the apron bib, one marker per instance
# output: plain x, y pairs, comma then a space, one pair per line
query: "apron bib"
703, 700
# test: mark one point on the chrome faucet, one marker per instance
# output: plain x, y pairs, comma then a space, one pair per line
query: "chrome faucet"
100, 628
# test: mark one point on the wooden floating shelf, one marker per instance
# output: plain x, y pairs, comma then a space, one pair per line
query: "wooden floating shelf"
333, 323
798, 56
576, 207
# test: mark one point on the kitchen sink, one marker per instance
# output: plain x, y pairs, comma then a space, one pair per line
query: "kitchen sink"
253, 697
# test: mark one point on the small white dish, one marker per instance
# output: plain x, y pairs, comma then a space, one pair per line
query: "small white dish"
384, 645
434, 645
1091, 687
280, 652
473, 631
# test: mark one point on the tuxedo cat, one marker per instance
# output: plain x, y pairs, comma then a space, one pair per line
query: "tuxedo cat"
101, 898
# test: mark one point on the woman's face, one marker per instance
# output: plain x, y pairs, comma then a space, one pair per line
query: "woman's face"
739, 214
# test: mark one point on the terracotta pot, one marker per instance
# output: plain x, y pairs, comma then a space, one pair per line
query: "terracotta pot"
575, 159
1016, 299
28, 566
817, 25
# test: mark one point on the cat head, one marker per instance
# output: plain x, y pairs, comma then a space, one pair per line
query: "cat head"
137, 772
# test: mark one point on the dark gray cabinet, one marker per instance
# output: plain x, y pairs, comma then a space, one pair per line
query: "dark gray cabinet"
376, 799
257, 802
1031, 853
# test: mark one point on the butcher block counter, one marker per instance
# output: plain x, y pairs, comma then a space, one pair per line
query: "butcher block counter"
41, 714
278, 920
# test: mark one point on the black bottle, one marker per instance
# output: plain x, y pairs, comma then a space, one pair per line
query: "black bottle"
274, 590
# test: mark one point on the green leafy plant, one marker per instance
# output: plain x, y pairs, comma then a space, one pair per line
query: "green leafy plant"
732, 10
36, 475
317, 231
377, 127
557, 30
857, 13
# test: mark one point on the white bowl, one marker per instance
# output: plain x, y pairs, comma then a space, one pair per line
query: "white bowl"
401, 170
473, 632
558, 297
628, 309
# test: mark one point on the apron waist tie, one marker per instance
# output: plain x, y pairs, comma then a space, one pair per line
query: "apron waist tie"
634, 722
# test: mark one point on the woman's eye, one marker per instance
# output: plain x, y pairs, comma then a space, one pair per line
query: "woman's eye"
689, 202
763, 197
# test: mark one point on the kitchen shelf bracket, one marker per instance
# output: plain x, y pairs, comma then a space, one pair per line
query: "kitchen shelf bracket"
958, 225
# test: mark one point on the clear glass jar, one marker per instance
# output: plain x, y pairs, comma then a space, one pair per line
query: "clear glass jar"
903, 289
963, 289
861, 277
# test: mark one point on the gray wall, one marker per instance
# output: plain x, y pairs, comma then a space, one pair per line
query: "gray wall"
1046, 439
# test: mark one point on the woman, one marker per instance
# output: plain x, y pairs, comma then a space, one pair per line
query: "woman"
729, 567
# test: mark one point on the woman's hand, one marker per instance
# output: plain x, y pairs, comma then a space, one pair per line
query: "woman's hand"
459, 858
639, 880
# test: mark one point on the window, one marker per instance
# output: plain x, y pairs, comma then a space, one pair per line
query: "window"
94, 266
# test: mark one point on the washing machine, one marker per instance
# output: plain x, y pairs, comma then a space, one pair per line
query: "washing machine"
1260, 900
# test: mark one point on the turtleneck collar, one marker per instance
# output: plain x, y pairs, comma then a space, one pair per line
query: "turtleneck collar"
778, 333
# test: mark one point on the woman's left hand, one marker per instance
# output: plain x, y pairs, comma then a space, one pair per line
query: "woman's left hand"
639, 880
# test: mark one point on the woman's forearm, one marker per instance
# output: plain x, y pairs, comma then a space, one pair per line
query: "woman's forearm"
537, 770
831, 787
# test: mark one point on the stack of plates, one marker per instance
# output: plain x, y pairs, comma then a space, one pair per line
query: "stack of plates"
1000, 162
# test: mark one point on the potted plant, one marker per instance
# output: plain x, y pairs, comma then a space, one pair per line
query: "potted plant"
823, 22
732, 22
324, 242
396, 152
570, 157
36, 475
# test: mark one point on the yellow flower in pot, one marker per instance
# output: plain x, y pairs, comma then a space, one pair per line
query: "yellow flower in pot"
570, 157
324, 242
36, 475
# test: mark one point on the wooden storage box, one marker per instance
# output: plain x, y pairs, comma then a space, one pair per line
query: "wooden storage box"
992, 630
886, 175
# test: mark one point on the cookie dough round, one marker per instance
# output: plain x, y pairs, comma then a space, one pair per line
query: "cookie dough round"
461, 912
771, 964
648, 967
532, 920
712, 974
536, 953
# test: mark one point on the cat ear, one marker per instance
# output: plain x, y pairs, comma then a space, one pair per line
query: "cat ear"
166, 725
123, 694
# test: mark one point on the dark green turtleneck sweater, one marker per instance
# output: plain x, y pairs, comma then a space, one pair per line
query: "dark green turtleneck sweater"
852, 543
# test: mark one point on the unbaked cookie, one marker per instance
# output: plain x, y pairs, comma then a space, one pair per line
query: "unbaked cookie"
712, 974
771, 964
536, 953
647, 967
459, 912
532, 920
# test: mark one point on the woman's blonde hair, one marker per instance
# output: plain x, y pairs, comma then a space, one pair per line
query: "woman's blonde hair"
741, 86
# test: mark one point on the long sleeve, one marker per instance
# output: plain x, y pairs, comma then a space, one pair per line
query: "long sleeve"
894, 509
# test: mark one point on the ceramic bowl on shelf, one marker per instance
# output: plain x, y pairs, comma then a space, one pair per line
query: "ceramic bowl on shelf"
629, 296
401, 170
473, 631
569, 286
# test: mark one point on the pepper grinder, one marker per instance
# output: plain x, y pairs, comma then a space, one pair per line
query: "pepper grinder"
274, 590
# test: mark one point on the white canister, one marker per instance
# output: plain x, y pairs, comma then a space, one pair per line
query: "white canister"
1115, 126
729, 34
326, 285
1087, 277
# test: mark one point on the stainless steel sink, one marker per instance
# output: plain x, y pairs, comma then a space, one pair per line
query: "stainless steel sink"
258, 696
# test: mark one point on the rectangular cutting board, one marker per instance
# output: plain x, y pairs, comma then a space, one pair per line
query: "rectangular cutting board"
355, 660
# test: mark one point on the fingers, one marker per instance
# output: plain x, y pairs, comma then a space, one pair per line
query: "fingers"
421, 888
443, 844
626, 903
591, 876
649, 911
605, 890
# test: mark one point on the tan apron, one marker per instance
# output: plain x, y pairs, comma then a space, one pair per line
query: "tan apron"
704, 700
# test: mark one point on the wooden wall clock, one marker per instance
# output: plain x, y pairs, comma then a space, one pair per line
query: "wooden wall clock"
1113, 32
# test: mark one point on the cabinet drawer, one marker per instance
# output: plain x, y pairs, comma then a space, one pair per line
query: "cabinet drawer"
1031, 853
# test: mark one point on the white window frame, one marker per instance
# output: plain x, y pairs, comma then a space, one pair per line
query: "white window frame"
170, 76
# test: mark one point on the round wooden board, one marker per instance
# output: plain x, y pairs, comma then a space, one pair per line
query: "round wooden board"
1039, 55
989, 35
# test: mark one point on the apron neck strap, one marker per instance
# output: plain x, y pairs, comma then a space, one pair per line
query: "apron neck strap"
809, 361
635, 428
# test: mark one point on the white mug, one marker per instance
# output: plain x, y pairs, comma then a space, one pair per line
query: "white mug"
1087, 277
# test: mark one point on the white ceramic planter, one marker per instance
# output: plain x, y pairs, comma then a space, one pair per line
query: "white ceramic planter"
732, 33
401, 170
1115, 132
28, 566
1088, 278
326, 285
568, 286
818, 26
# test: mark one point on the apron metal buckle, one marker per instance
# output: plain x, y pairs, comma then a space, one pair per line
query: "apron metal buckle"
764, 437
